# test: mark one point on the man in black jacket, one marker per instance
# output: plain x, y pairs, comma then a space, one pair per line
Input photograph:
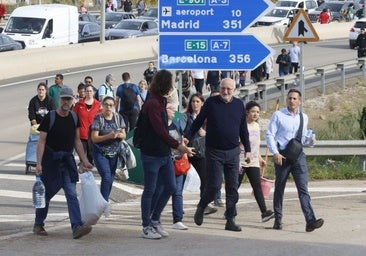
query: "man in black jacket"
361, 43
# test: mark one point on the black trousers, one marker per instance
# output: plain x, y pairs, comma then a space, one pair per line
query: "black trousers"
130, 118
254, 177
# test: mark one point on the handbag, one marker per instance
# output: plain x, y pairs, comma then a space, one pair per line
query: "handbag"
294, 146
198, 143
181, 165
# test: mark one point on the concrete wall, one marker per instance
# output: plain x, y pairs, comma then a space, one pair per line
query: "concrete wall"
61, 59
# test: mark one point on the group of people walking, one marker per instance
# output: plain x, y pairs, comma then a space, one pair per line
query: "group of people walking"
221, 125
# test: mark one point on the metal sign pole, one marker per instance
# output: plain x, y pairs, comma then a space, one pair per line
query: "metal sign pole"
302, 82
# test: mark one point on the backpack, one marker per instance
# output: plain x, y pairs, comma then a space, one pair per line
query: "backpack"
53, 118
128, 97
96, 95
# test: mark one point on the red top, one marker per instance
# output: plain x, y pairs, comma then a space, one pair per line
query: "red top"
86, 116
2, 10
324, 18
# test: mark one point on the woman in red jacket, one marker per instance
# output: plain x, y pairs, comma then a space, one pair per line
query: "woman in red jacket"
86, 110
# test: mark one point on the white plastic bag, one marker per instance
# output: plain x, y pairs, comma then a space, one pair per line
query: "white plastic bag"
193, 181
130, 156
92, 203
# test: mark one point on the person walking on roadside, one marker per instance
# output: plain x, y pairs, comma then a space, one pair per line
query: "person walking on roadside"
56, 163
284, 62
225, 123
283, 127
40, 105
150, 72
107, 132
294, 53
252, 169
128, 101
156, 157
106, 89
86, 110
361, 43
54, 90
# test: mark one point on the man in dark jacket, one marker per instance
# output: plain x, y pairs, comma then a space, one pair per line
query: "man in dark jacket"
361, 43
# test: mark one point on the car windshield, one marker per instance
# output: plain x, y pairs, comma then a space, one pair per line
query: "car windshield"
360, 24
113, 16
333, 7
152, 12
129, 25
25, 25
277, 13
286, 3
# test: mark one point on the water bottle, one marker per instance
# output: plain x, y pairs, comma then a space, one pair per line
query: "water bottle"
39, 194
310, 137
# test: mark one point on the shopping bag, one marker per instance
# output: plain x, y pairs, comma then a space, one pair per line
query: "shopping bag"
92, 203
192, 182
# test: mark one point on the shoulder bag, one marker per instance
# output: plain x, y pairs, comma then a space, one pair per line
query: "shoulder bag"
294, 146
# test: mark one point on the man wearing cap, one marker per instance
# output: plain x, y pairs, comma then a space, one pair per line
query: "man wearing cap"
59, 135
54, 90
361, 43
284, 62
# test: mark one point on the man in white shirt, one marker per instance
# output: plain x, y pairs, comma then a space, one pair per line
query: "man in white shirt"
294, 53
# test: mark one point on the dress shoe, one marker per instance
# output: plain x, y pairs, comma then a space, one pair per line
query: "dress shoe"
277, 224
198, 216
311, 226
230, 225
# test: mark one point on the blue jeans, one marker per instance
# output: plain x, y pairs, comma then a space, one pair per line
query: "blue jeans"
71, 199
299, 172
177, 199
218, 161
158, 174
107, 170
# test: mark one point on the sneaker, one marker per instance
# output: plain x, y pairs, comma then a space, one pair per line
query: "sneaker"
314, 225
150, 233
267, 215
39, 230
179, 225
209, 210
81, 231
218, 203
159, 228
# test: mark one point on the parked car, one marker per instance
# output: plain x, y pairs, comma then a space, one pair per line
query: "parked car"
112, 18
279, 16
132, 28
8, 44
87, 17
150, 14
89, 31
355, 31
336, 8
309, 5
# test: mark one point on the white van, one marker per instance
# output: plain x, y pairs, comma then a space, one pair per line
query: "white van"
309, 5
36, 26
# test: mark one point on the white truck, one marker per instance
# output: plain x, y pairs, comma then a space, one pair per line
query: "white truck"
37, 26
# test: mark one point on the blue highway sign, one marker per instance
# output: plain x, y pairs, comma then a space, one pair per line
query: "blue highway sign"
211, 52
176, 16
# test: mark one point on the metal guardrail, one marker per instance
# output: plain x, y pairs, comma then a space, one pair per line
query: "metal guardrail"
334, 148
280, 82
